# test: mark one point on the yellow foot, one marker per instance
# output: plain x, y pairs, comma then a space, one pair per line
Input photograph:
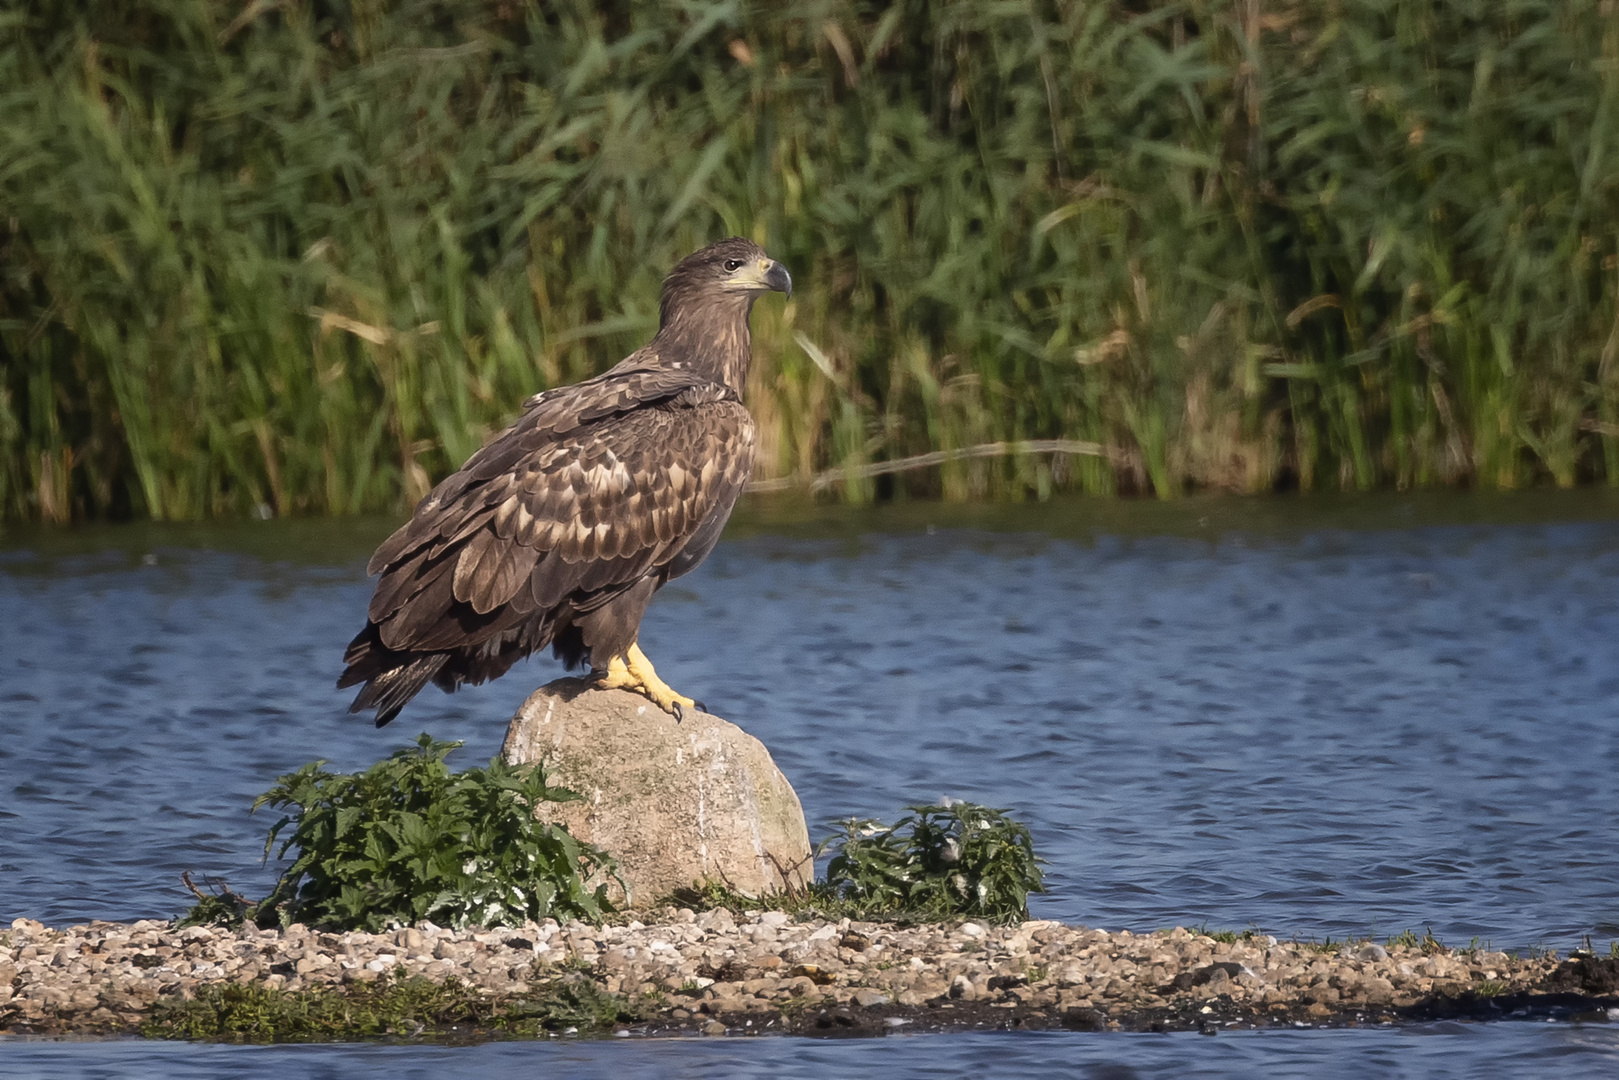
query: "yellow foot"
633, 671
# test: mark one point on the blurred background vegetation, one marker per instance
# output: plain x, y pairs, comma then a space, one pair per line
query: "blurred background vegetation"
303, 256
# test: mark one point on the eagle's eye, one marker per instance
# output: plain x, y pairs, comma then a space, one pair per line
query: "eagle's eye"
732, 265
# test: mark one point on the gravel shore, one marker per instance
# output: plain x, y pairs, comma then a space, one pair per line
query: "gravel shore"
718, 973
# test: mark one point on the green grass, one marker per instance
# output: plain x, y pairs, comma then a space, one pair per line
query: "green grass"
1226, 937
815, 901
1427, 943
302, 258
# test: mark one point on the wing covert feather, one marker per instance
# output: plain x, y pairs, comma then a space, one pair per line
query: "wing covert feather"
592, 489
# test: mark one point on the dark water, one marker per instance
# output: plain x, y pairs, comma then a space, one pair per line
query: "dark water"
1317, 718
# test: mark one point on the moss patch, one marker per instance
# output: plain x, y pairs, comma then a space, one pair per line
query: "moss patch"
404, 1006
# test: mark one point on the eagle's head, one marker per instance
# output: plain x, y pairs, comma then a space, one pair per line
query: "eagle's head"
707, 298
732, 267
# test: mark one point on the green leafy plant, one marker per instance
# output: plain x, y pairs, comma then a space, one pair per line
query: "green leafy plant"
407, 839
948, 860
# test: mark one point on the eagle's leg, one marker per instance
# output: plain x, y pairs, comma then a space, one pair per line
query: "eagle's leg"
633, 671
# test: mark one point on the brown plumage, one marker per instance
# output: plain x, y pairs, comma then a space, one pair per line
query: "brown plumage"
560, 530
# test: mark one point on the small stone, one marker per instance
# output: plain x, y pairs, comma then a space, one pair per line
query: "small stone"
1377, 989
868, 999
714, 1027
1071, 975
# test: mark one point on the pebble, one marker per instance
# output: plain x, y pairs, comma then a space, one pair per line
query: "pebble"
102, 976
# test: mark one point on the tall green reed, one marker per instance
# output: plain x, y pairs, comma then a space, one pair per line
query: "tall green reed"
302, 257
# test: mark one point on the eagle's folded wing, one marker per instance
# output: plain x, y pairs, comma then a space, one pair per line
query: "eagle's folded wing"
587, 494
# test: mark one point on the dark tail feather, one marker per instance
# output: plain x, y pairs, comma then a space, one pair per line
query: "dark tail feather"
391, 678
391, 690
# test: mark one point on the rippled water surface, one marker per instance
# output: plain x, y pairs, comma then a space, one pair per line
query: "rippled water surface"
1431, 1052
1317, 718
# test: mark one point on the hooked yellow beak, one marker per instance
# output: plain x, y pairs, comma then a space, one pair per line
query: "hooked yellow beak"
762, 274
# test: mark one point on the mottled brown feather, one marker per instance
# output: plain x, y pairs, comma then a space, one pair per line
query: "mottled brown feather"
499, 583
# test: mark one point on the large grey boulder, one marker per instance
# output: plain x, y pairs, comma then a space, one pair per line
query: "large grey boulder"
678, 803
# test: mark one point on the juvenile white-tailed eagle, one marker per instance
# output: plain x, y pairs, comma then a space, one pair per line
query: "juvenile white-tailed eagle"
560, 530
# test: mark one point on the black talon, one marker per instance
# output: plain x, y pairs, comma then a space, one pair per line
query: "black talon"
699, 706
680, 712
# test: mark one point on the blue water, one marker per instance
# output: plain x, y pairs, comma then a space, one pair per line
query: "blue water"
1309, 721
1511, 1051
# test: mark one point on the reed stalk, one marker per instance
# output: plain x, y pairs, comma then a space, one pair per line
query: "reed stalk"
302, 257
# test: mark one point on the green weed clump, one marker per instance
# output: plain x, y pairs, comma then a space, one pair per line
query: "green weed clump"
219, 906
1427, 943
1227, 937
953, 860
408, 840
416, 1006
303, 257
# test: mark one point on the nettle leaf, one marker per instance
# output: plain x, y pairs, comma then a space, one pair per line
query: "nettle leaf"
408, 839
376, 851
345, 820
